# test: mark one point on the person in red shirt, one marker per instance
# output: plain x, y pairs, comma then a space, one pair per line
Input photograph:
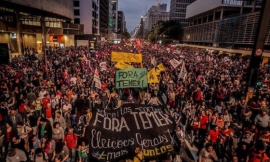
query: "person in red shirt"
203, 124
214, 134
103, 86
49, 113
225, 132
45, 101
198, 95
71, 143
258, 153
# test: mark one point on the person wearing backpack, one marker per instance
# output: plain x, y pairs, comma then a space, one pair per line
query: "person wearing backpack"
71, 143
138, 157
40, 156
38, 107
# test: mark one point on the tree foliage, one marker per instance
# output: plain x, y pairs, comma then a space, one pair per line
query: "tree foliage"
126, 35
165, 29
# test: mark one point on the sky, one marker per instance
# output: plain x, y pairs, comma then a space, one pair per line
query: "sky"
134, 9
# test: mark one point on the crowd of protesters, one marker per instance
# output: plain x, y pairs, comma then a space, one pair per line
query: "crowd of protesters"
46, 103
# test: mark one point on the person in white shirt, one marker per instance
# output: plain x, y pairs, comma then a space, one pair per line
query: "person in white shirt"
67, 107
42, 93
54, 101
180, 135
74, 80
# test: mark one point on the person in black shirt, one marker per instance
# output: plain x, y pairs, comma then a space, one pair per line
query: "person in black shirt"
18, 143
220, 149
33, 121
242, 152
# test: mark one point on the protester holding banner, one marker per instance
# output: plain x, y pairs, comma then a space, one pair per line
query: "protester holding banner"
79, 84
138, 157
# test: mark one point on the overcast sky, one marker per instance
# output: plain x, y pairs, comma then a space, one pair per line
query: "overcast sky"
134, 9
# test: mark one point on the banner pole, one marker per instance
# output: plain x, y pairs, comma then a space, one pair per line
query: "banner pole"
142, 151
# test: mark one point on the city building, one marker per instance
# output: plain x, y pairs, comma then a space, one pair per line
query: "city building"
115, 14
223, 23
37, 23
106, 19
178, 10
154, 15
125, 27
121, 22
86, 12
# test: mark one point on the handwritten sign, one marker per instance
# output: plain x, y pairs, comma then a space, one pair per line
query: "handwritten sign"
122, 65
131, 78
152, 76
103, 66
126, 57
174, 63
113, 134
161, 67
97, 80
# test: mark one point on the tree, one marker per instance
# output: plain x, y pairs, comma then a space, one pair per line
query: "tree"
126, 35
171, 29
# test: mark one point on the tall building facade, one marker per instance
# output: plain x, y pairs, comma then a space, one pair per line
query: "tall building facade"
178, 10
121, 22
154, 15
223, 23
106, 18
115, 15
37, 23
87, 12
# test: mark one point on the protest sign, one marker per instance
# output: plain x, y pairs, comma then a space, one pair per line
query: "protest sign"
153, 61
161, 67
113, 134
122, 65
103, 66
97, 80
174, 63
126, 57
183, 72
152, 76
131, 78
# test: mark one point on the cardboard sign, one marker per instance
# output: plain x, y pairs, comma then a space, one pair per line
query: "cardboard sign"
131, 78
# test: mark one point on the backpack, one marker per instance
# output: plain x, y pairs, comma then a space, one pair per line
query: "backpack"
139, 158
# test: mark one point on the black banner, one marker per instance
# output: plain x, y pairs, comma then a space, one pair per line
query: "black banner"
113, 134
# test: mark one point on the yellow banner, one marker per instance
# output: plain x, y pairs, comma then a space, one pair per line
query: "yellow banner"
122, 65
126, 57
152, 76
264, 61
157, 71
161, 67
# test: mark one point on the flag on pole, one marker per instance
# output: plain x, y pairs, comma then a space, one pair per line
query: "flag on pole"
153, 61
97, 80
174, 63
183, 72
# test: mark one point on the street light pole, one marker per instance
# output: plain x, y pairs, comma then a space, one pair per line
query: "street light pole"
257, 51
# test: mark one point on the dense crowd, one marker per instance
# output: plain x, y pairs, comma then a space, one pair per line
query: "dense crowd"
47, 103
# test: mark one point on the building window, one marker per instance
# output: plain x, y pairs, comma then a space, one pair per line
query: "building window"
76, 3
77, 12
77, 21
